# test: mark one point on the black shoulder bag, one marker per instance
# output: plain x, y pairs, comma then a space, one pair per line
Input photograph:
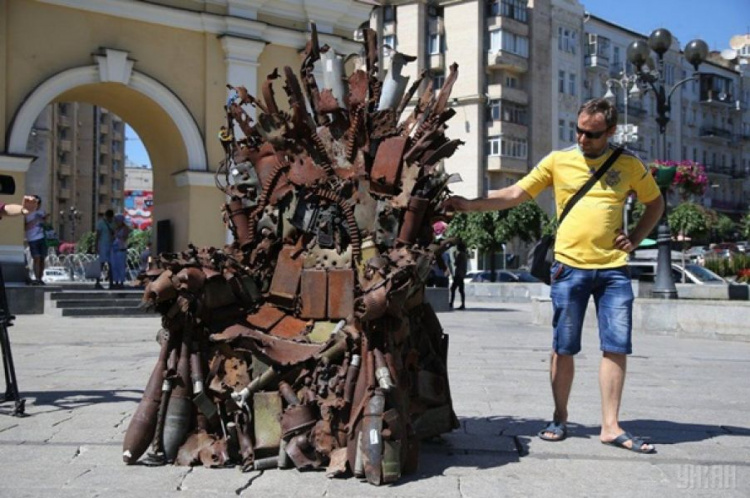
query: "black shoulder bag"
542, 254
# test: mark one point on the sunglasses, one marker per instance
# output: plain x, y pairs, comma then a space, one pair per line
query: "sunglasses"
591, 134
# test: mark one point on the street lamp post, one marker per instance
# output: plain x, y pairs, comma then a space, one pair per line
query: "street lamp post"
73, 216
628, 83
653, 80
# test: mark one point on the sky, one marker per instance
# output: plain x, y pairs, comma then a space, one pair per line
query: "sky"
715, 22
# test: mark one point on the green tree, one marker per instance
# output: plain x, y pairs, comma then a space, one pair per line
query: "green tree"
138, 239
689, 219
723, 226
745, 227
487, 231
86, 243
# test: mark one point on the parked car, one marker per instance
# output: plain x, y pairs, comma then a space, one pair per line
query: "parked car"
690, 274
743, 246
55, 274
502, 276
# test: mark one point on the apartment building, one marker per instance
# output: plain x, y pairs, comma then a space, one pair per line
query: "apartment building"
710, 114
525, 67
79, 165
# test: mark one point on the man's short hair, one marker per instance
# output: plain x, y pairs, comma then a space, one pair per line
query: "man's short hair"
601, 106
38, 200
109, 213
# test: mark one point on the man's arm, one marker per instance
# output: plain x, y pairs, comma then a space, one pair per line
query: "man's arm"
497, 200
648, 221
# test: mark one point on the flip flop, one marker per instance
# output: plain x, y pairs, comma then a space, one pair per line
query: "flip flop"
636, 446
559, 429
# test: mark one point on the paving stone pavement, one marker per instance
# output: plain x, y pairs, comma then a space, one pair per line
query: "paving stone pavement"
83, 377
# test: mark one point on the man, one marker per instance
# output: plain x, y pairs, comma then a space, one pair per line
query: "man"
460, 266
103, 241
34, 228
591, 253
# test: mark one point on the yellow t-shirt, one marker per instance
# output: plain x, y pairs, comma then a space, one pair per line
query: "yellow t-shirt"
586, 237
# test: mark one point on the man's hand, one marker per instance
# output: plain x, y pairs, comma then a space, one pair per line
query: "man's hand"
623, 242
455, 203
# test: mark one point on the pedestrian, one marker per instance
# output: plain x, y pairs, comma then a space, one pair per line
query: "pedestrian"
34, 228
591, 252
119, 255
105, 231
460, 266
145, 258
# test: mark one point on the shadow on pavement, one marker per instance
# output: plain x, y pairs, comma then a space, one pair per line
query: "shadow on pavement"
68, 400
490, 310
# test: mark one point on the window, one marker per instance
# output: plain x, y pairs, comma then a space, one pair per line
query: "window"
572, 84
561, 81
572, 131
390, 40
515, 9
509, 42
435, 45
493, 146
511, 82
561, 130
63, 108
513, 113
567, 39
437, 82
616, 55
495, 109
389, 13
507, 147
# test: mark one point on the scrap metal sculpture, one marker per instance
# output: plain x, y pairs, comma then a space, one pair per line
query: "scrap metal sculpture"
307, 342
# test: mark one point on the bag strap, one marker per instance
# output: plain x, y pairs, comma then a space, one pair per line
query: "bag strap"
590, 182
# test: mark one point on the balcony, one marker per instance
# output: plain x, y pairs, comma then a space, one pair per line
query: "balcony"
64, 170
506, 60
104, 190
103, 149
596, 62
437, 63
63, 121
103, 129
63, 194
65, 145
118, 136
508, 24
716, 98
506, 93
507, 129
499, 164
715, 135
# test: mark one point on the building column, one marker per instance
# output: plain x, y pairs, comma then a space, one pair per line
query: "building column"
12, 233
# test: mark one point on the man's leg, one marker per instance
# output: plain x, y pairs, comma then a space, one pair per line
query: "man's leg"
561, 373
570, 294
614, 301
462, 291
453, 291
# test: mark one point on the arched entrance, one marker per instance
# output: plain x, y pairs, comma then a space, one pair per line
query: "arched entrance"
162, 67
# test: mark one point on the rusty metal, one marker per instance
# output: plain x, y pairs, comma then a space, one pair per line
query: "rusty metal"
340, 293
313, 294
286, 277
286, 340
413, 220
141, 428
386, 171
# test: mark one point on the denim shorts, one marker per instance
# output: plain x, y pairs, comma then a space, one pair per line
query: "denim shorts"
613, 297
38, 248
